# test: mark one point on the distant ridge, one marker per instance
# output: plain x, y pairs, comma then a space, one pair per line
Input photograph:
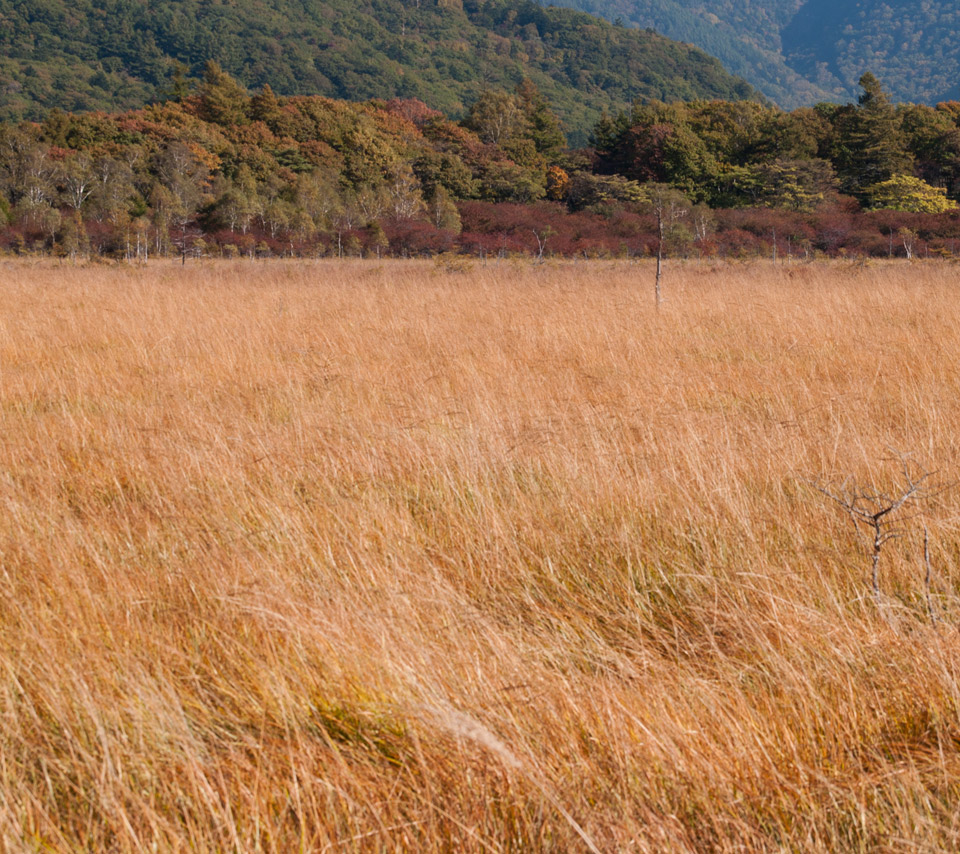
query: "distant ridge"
84, 55
798, 52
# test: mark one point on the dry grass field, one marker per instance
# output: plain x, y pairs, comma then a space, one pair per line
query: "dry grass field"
360, 557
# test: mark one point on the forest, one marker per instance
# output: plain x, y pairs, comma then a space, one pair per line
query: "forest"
912, 46
82, 56
744, 36
220, 172
798, 52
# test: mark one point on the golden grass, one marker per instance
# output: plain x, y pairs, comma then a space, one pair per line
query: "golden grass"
359, 557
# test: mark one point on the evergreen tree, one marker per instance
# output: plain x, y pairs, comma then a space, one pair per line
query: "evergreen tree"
934, 141
224, 101
799, 185
544, 128
870, 145
179, 85
265, 106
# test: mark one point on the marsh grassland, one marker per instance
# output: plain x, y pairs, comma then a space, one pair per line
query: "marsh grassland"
360, 557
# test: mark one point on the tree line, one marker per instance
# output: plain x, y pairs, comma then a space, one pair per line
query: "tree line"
220, 171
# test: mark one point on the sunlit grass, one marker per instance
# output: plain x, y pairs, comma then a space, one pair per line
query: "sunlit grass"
363, 557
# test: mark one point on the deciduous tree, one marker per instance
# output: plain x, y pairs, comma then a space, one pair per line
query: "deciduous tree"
906, 193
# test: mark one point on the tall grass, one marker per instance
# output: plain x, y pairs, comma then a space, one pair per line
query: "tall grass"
357, 557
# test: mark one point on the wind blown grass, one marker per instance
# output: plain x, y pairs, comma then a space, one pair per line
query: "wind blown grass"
357, 557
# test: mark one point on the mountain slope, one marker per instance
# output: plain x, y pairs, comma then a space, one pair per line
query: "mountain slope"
800, 51
745, 36
84, 54
914, 48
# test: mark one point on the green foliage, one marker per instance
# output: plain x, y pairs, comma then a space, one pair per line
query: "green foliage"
443, 212
444, 170
934, 141
223, 100
84, 55
748, 154
869, 144
744, 36
281, 175
798, 185
588, 191
544, 128
496, 117
505, 181
665, 201
659, 143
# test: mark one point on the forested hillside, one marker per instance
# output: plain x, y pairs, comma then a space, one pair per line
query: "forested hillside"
914, 47
122, 54
744, 36
798, 52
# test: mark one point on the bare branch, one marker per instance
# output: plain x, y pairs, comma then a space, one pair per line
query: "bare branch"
874, 509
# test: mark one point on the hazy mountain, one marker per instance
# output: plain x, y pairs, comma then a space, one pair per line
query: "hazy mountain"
913, 47
116, 54
800, 51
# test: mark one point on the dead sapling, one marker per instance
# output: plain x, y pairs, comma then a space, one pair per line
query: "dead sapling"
668, 207
875, 511
542, 235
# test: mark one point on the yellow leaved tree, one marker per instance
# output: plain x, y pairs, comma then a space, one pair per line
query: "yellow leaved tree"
906, 193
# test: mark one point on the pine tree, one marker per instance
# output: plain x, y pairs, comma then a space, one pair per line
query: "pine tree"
224, 100
870, 145
265, 106
543, 125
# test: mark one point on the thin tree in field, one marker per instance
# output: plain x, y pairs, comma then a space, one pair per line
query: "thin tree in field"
668, 206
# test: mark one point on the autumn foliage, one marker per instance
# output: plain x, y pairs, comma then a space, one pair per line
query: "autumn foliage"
225, 174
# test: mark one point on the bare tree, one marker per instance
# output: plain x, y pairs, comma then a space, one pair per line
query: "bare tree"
404, 200
78, 180
27, 172
345, 217
542, 235
703, 225
183, 178
909, 239
319, 196
875, 510
496, 116
113, 187
668, 206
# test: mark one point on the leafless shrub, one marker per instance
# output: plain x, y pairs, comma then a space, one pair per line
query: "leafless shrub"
878, 512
